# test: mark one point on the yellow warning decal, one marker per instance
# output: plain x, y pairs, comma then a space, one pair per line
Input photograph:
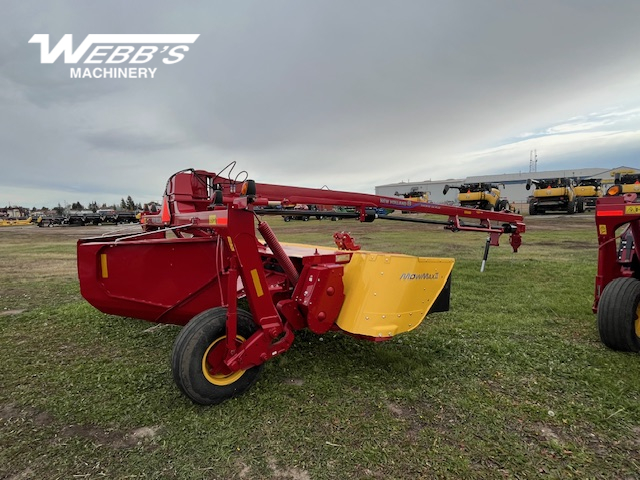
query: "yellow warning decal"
602, 229
103, 265
632, 209
212, 220
230, 242
256, 282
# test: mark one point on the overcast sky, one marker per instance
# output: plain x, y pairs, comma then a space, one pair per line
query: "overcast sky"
348, 94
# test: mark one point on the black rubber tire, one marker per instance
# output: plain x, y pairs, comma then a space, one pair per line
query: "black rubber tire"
287, 219
532, 208
580, 205
190, 347
571, 207
618, 322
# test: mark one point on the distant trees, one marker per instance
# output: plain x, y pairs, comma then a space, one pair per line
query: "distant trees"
125, 204
129, 204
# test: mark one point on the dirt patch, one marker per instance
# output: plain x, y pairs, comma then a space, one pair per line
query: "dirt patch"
12, 312
105, 437
559, 222
415, 423
24, 475
98, 435
292, 473
634, 439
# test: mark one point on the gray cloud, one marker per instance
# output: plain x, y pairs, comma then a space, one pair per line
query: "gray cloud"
349, 94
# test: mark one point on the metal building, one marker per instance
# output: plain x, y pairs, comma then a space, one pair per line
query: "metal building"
512, 185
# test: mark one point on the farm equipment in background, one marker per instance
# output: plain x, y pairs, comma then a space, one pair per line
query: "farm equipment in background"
617, 288
200, 254
16, 222
484, 196
588, 191
414, 195
292, 213
627, 183
555, 194
82, 218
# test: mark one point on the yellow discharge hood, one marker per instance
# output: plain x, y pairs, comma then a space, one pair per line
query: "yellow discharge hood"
387, 294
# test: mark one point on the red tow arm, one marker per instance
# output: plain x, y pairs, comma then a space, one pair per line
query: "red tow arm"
190, 200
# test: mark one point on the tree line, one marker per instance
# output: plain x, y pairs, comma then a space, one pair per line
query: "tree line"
128, 205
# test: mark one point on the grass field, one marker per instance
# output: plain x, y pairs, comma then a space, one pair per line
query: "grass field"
512, 382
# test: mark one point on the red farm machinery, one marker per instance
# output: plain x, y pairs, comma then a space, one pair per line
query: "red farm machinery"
194, 259
617, 289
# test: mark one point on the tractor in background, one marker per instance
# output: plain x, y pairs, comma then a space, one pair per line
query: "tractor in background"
413, 195
554, 194
483, 196
627, 183
588, 190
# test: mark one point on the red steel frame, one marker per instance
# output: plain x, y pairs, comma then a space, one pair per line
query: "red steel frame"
200, 206
613, 213
188, 190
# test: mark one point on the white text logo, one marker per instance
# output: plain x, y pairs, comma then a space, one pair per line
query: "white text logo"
116, 49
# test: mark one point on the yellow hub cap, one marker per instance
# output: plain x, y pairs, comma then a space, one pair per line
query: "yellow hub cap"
220, 379
637, 321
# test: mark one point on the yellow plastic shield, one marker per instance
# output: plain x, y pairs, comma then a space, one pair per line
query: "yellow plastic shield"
387, 294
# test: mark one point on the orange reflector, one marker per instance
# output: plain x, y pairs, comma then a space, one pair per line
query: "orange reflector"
166, 215
103, 265
614, 190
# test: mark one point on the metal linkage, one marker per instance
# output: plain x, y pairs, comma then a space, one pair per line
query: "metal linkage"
189, 201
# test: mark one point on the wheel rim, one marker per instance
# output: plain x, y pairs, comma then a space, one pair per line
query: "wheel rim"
637, 321
213, 366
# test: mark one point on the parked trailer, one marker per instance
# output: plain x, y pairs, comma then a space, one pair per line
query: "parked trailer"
89, 218
201, 253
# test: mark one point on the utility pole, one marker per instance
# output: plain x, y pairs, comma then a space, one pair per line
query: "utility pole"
533, 161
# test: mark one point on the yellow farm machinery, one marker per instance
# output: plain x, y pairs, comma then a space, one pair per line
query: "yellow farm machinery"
483, 196
556, 195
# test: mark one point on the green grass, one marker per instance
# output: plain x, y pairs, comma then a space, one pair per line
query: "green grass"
512, 382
